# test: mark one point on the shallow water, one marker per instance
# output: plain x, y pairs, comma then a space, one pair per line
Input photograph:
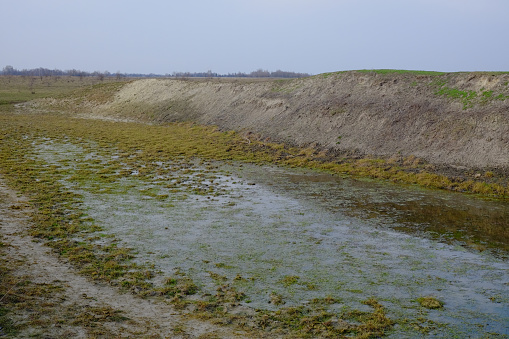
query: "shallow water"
306, 235
448, 217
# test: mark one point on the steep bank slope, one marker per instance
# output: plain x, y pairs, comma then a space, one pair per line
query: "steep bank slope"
459, 120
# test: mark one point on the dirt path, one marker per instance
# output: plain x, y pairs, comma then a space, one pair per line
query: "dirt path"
77, 307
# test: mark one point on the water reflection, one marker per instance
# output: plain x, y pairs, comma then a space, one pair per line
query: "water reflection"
446, 216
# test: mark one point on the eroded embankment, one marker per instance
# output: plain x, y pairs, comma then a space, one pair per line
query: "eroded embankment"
454, 124
457, 119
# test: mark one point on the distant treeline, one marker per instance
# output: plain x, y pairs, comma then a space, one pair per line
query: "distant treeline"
255, 74
45, 72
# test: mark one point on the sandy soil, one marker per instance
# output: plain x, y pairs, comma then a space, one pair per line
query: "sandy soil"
35, 263
456, 123
458, 119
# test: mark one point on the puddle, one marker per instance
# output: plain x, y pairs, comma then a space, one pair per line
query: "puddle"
309, 235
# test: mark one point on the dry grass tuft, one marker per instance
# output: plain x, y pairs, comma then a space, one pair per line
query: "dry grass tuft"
430, 302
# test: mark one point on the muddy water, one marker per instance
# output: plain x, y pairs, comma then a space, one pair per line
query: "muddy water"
309, 235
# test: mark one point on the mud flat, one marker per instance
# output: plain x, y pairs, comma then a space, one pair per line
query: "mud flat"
304, 236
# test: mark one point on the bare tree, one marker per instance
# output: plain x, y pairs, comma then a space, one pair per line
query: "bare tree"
31, 86
8, 70
99, 75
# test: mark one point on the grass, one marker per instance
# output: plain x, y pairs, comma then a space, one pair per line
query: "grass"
30, 309
54, 223
468, 98
430, 302
403, 71
384, 71
321, 323
289, 280
400, 71
7, 288
59, 221
17, 89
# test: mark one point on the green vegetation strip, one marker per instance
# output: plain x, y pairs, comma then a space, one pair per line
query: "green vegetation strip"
400, 71
17, 89
468, 98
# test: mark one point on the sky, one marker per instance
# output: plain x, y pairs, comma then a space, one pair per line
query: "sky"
229, 36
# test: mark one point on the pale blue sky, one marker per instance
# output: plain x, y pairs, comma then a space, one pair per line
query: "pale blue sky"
314, 36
